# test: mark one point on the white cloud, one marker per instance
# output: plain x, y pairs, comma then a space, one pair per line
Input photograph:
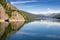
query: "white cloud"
28, 6
50, 11
22, 2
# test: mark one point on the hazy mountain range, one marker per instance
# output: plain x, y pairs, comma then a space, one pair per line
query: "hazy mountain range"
52, 15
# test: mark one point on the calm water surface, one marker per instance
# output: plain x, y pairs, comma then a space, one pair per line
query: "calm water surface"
35, 30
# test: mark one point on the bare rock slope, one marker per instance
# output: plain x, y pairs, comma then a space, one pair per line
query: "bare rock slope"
15, 15
3, 15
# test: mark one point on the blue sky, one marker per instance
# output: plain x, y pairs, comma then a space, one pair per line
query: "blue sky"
38, 6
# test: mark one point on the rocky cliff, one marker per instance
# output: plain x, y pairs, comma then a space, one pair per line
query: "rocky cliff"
3, 15
10, 12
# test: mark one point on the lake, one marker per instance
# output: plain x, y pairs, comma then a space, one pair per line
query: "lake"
32, 30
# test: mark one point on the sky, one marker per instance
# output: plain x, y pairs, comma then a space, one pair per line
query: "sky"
37, 6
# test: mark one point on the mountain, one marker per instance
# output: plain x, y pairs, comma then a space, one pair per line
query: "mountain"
41, 15
8, 11
27, 15
55, 15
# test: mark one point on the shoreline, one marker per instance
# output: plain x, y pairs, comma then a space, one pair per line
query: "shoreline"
11, 20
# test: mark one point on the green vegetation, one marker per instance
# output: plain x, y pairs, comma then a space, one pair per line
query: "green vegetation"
27, 16
7, 9
3, 2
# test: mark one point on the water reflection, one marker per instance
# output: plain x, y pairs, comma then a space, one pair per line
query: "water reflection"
30, 30
38, 30
6, 29
3, 26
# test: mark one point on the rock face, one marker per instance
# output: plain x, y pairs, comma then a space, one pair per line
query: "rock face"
16, 16
3, 15
7, 11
